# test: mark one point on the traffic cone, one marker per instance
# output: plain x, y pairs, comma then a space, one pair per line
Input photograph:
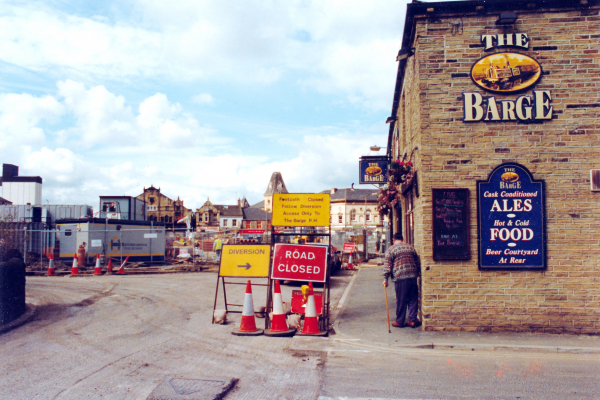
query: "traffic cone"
51, 269
311, 319
97, 269
279, 326
109, 267
75, 268
248, 324
121, 270
350, 266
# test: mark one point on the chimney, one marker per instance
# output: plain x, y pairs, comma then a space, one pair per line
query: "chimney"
333, 190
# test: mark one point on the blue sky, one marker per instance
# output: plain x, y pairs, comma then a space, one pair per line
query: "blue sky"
200, 98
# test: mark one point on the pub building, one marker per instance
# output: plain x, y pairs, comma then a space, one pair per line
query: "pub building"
494, 149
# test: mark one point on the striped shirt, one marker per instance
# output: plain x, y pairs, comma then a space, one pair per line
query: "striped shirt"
401, 262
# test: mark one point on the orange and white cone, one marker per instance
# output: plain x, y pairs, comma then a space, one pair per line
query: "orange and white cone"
121, 270
75, 268
350, 266
248, 324
311, 319
109, 270
51, 268
279, 326
97, 269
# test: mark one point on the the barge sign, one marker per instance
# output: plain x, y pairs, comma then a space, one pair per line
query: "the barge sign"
295, 262
511, 219
506, 73
373, 170
301, 209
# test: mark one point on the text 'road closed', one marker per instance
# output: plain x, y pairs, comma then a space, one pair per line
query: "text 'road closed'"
299, 263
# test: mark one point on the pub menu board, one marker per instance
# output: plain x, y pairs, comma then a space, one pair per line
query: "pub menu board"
450, 224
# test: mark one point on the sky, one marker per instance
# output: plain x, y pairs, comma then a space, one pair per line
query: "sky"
204, 99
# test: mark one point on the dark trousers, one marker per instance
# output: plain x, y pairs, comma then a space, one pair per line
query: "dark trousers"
407, 294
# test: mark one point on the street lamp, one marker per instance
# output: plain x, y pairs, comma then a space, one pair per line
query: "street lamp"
376, 148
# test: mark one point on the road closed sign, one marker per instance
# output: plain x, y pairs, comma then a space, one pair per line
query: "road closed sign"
245, 261
293, 262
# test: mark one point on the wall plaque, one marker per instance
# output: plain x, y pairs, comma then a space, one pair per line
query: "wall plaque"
511, 219
450, 224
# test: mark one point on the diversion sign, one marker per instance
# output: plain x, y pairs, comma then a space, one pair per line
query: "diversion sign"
511, 219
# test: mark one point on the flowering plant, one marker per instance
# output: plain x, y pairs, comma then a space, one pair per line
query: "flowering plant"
398, 172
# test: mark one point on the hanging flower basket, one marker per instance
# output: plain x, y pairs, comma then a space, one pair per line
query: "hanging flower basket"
410, 177
389, 194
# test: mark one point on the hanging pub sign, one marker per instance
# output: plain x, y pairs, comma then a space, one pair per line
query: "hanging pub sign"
511, 219
373, 170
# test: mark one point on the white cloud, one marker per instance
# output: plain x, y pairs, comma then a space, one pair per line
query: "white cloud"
345, 47
203, 98
20, 117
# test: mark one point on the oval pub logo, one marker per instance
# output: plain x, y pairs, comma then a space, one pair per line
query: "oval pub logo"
506, 72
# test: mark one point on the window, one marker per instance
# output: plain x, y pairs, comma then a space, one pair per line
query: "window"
340, 218
109, 207
166, 208
367, 215
224, 222
206, 217
68, 232
353, 215
234, 222
259, 224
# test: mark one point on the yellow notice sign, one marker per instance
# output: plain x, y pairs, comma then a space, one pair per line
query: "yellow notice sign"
245, 261
301, 209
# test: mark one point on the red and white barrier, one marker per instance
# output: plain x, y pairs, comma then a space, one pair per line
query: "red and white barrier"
121, 270
279, 326
75, 267
248, 323
97, 269
311, 319
51, 268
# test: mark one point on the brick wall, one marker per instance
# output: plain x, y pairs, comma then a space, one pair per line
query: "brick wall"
457, 295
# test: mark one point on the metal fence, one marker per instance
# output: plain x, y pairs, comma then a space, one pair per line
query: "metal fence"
142, 245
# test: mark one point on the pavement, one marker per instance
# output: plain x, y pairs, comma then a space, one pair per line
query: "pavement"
362, 317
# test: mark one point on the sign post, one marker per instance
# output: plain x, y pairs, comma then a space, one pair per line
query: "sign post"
297, 214
242, 261
299, 263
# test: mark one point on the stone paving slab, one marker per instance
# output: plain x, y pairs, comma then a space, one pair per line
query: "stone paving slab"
363, 317
176, 388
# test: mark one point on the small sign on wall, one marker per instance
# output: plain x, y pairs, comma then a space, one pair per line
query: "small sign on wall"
511, 219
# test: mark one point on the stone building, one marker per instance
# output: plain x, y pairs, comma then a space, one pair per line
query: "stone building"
163, 209
215, 217
354, 209
276, 185
497, 107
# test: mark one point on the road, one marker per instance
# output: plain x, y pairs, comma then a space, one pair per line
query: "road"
119, 337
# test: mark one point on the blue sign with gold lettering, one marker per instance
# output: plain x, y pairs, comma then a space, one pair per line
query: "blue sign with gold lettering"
511, 219
373, 170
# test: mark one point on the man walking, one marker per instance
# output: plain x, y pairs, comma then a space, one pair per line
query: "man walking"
403, 266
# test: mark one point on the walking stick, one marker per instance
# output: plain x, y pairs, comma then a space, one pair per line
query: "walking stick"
387, 307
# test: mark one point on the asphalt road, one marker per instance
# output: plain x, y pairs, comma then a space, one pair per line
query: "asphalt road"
119, 337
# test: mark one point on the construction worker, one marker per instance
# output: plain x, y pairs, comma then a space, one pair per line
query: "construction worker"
217, 247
